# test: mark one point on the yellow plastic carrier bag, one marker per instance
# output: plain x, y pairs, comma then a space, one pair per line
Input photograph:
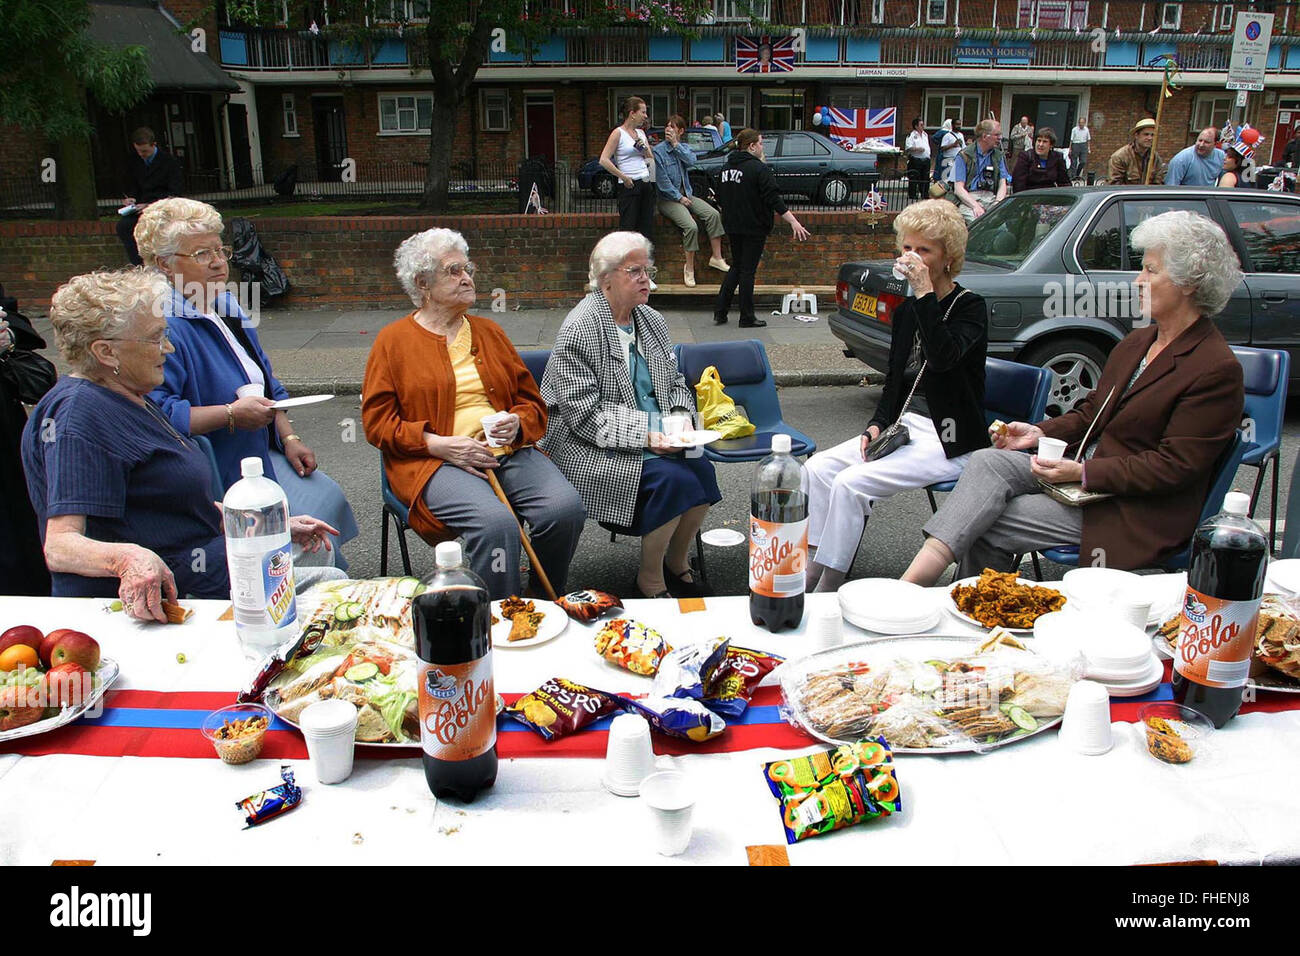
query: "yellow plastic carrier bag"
717, 411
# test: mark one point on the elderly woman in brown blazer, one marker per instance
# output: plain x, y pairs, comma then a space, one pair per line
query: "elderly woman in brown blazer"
1166, 406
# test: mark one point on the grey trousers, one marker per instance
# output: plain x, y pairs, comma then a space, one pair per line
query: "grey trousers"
538, 492
683, 217
997, 512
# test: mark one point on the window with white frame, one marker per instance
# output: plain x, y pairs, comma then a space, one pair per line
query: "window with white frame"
964, 109
1052, 14
702, 101
737, 108
659, 102
936, 11
405, 113
289, 110
1225, 16
741, 9
1171, 16
877, 11
496, 110
1212, 109
863, 97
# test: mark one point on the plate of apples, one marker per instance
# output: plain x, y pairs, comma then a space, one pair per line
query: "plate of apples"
49, 680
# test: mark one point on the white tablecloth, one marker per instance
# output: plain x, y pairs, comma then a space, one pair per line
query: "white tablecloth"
1028, 804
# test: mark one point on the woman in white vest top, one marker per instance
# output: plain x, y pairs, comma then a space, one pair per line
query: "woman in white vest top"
628, 159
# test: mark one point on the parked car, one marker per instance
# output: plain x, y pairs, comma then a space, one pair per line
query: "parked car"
1056, 269
594, 177
805, 164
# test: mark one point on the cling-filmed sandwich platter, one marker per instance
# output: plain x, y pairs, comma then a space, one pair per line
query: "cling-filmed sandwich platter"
926, 695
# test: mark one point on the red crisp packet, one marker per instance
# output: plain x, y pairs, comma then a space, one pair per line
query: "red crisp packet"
734, 680
561, 707
587, 606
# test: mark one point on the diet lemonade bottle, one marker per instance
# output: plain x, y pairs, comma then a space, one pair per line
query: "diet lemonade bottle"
778, 538
1216, 636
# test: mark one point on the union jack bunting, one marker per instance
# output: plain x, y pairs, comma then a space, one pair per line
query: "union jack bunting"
850, 127
874, 202
764, 54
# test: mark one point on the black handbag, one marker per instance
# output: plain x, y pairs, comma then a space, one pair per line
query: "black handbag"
26, 375
896, 435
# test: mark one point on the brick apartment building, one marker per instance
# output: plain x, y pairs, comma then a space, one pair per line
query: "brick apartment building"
306, 98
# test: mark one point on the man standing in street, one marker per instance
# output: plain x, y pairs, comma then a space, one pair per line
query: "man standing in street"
1022, 138
1128, 164
749, 198
918, 160
1200, 164
152, 173
979, 173
1080, 137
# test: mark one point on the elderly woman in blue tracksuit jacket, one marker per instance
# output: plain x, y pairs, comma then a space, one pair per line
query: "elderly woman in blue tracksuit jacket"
216, 355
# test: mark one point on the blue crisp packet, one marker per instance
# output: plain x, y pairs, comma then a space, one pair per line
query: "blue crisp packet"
678, 717
686, 671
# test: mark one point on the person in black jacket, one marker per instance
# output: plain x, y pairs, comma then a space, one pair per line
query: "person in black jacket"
749, 197
1042, 166
151, 173
940, 334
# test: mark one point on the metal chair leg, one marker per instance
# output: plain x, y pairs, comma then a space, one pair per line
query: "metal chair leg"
1259, 481
406, 555
383, 546
1038, 569
1272, 516
934, 505
699, 559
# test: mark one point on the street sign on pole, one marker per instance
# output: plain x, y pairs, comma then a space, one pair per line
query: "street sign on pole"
1250, 51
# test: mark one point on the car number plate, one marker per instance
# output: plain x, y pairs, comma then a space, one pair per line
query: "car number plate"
864, 304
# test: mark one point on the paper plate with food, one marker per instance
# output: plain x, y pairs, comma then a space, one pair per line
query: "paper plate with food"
49, 680
926, 694
520, 623
997, 599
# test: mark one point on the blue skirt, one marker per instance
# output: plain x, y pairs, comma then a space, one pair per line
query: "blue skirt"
317, 495
671, 486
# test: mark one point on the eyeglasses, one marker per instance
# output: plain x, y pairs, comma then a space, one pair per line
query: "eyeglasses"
159, 343
636, 272
204, 257
456, 269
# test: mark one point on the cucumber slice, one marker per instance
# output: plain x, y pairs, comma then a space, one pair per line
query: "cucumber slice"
940, 666
1022, 718
349, 611
362, 672
926, 683
408, 587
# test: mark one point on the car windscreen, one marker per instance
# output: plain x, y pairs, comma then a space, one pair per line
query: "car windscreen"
1007, 233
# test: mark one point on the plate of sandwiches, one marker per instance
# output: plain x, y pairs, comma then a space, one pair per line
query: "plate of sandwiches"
526, 623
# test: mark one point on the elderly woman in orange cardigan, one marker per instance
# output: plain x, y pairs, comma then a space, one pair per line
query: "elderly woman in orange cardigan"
431, 378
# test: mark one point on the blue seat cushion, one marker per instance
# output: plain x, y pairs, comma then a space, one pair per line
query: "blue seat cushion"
756, 446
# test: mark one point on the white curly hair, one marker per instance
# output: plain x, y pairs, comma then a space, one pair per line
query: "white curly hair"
610, 253
103, 305
422, 254
1196, 253
167, 222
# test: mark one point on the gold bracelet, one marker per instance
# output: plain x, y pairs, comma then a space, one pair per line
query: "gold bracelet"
288, 438
230, 420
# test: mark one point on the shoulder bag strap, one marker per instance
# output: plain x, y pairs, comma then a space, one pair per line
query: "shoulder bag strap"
908, 401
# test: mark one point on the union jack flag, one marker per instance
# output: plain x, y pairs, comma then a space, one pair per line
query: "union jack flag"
874, 202
750, 54
850, 127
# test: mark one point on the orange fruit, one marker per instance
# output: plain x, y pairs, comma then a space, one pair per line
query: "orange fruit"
17, 655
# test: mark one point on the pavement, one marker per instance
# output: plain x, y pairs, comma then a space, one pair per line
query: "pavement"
325, 350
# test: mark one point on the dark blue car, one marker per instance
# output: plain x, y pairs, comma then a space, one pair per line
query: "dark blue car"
594, 177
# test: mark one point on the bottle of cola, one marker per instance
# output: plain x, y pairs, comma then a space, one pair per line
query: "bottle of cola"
458, 730
1216, 637
778, 538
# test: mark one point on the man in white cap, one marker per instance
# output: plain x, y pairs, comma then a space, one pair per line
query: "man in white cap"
1128, 164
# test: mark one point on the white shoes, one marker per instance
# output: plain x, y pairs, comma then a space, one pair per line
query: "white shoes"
688, 276
720, 265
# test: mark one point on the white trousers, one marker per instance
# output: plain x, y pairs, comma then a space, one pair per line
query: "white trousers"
842, 487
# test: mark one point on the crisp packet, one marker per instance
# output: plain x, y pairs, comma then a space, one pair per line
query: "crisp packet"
677, 717
632, 645
734, 681
587, 605
561, 707
269, 804
685, 671
834, 789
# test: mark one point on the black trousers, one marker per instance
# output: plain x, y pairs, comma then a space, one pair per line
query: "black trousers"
918, 177
746, 250
636, 207
126, 232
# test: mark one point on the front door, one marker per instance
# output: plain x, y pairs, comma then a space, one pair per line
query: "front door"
1288, 125
237, 117
539, 123
331, 137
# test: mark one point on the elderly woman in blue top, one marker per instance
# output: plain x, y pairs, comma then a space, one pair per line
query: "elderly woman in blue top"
677, 203
124, 500
216, 353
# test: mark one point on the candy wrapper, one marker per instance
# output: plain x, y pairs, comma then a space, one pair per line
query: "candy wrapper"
587, 606
269, 804
677, 717
561, 707
686, 671
734, 681
834, 789
632, 645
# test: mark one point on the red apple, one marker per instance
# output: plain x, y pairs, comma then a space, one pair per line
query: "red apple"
51, 639
66, 685
22, 634
77, 648
16, 708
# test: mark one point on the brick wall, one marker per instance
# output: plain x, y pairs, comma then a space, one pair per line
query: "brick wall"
336, 261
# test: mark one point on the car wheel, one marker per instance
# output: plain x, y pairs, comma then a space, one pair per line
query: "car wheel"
835, 191
602, 187
1075, 365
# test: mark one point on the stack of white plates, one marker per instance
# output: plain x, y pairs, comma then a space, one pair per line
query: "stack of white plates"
1118, 655
1094, 589
887, 606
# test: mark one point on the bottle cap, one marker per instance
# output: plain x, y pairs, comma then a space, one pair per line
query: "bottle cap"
447, 554
1236, 503
250, 467
781, 444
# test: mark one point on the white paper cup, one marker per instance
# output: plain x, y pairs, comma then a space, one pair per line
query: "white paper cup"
1134, 607
825, 629
1085, 728
252, 388
488, 421
629, 758
669, 799
329, 727
1050, 449
675, 425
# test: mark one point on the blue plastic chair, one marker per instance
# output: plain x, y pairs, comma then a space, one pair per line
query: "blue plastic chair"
1013, 393
205, 446
746, 374
1266, 372
536, 360
399, 513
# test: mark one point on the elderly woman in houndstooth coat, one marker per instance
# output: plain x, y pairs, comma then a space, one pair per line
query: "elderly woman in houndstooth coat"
611, 378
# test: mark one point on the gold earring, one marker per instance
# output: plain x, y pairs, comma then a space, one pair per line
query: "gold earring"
117, 370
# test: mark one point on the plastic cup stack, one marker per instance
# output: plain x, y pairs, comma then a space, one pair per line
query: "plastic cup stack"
1086, 727
629, 758
670, 799
825, 629
329, 727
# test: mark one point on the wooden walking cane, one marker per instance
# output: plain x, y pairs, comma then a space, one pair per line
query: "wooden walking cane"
523, 536
1167, 87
